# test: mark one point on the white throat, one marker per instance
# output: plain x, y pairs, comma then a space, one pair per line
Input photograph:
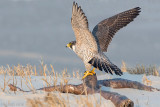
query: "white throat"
74, 48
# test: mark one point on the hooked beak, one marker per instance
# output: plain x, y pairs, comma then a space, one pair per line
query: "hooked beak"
68, 45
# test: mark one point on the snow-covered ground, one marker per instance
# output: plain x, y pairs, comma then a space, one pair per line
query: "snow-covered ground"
19, 99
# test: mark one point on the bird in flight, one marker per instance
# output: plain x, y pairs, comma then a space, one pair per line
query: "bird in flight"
90, 46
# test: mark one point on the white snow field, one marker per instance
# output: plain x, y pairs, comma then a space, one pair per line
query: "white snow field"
19, 99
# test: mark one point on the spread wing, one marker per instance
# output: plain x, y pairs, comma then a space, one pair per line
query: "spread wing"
80, 26
106, 29
78, 20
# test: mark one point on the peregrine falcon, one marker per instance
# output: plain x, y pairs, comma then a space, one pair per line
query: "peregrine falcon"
90, 46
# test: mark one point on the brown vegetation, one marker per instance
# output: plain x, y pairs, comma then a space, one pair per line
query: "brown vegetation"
91, 85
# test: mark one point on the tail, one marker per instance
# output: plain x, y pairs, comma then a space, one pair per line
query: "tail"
106, 65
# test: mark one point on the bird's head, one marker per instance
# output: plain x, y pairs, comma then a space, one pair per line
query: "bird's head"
71, 45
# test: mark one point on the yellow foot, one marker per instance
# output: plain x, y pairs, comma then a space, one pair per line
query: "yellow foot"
86, 74
92, 71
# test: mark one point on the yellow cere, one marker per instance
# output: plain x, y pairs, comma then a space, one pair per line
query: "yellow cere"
69, 44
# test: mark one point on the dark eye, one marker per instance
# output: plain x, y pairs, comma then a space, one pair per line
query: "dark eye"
71, 46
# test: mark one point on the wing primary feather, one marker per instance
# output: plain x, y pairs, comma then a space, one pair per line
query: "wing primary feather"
78, 20
79, 9
73, 9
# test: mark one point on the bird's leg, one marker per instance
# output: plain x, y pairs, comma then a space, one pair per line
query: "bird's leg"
92, 71
86, 73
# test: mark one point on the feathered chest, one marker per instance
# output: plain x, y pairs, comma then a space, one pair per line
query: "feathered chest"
85, 52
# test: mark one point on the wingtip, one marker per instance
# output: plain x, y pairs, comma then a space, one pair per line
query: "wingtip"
73, 2
138, 8
74, 8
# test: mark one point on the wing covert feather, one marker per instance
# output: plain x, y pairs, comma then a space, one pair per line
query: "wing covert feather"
106, 29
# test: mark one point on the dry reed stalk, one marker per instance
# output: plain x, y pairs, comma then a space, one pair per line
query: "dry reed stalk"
87, 101
74, 74
29, 81
123, 67
21, 83
140, 69
45, 80
78, 76
146, 81
44, 70
13, 77
55, 79
9, 70
50, 100
5, 83
35, 71
156, 72
52, 69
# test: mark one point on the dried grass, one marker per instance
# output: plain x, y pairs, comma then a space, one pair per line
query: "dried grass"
50, 100
141, 69
50, 78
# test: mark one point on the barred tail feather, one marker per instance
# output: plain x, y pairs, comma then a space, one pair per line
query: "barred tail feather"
104, 65
116, 70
